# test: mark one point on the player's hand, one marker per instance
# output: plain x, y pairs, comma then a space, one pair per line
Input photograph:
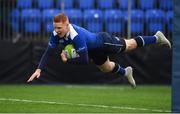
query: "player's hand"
63, 56
36, 74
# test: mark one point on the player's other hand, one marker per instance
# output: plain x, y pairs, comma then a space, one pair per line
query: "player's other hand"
36, 74
63, 56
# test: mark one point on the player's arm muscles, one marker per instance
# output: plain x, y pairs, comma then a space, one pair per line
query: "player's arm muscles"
81, 48
42, 64
44, 59
52, 46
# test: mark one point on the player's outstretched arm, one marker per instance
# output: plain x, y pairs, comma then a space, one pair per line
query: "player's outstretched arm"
36, 74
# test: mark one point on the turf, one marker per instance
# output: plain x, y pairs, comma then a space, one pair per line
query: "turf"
84, 99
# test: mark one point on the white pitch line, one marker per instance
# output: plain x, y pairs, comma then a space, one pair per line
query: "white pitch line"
84, 105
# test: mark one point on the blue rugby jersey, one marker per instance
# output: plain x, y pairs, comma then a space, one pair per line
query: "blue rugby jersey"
82, 39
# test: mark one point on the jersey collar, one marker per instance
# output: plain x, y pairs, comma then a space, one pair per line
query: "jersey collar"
66, 36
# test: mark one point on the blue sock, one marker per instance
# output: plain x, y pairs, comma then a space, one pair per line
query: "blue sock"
118, 70
145, 40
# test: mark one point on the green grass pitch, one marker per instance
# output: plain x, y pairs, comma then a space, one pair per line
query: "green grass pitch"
84, 99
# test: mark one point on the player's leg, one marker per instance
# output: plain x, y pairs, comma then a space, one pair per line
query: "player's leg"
112, 45
112, 67
131, 44
141, 41
105, 65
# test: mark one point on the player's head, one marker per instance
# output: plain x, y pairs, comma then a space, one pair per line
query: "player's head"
61, 24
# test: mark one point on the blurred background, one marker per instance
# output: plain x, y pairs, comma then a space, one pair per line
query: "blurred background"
27, 24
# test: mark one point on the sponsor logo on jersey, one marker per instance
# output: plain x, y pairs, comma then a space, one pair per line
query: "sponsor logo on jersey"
80, 49
61, 41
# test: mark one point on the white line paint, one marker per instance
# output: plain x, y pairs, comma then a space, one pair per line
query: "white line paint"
83, 105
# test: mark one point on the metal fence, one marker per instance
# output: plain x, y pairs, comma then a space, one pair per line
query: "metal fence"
32, 19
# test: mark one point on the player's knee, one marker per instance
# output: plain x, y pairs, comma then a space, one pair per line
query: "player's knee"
130, 44
106, 67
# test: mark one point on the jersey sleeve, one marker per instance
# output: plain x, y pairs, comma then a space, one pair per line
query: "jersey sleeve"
52, 45
81, 48
44, 59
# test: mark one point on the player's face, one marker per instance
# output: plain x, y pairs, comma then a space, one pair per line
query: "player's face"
61, 28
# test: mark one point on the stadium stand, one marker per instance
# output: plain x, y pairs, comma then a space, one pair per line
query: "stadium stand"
31, 19
166, 4
75, 16
44, 4
15, 20
93, 14
47, 16
105, 4
115, 21
24, 4
68, 4
146, 4
123, 4
169, 17
137, 22
93, 20
86, 4
155, 20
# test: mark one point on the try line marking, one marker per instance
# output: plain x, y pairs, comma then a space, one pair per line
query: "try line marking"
83, 105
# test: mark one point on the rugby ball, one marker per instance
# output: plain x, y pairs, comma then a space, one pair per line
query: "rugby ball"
70, 51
